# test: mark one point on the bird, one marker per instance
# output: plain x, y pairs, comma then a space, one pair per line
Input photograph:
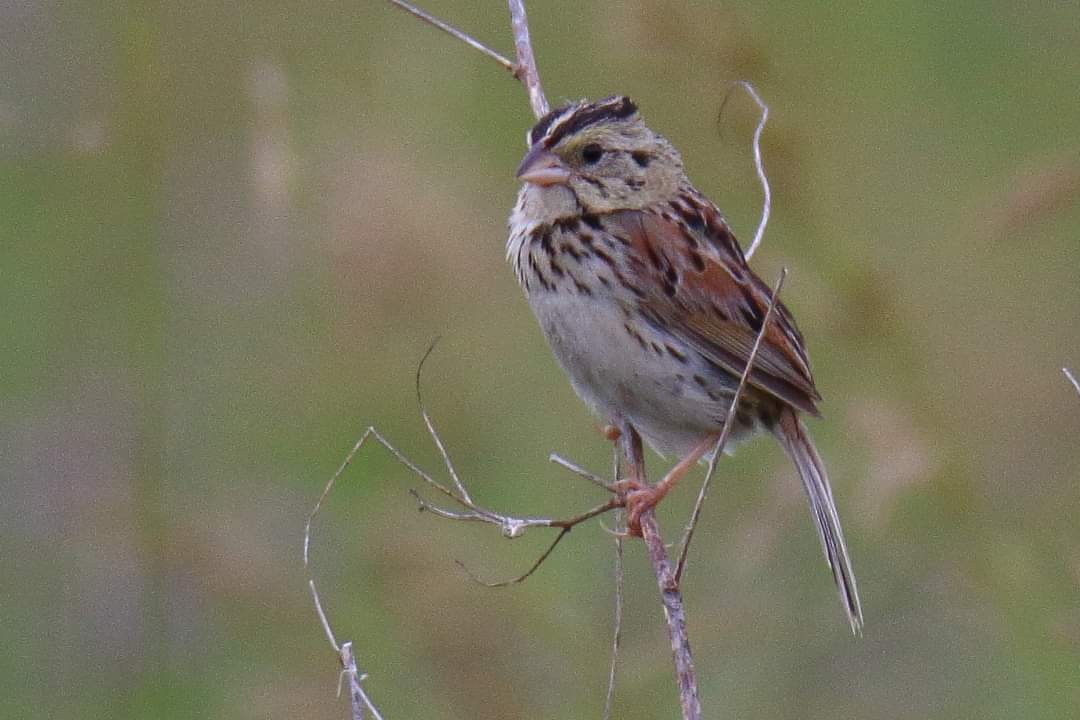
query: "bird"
648, 304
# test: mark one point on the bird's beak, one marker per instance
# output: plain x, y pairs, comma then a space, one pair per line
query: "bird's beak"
542, 167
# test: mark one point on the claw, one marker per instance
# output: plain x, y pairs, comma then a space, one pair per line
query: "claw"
640, 498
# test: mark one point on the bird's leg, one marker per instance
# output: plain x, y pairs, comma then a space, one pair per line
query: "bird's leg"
623, 433
646, 497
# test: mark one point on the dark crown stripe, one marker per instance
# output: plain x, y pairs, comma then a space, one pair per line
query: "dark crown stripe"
569, 119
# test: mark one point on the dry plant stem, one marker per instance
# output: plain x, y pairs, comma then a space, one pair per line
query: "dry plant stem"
526, 70
1072, 379
670, 595
691, 526
454, 32
759, 166
525, 67
511, 527
358, 699
616, 639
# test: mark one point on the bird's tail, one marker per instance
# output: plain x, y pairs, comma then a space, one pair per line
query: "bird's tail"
800, 448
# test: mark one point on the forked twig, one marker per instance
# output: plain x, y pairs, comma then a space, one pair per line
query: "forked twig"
688, 534
431, 427
525, 67
511, 527
358, 699
1072, 379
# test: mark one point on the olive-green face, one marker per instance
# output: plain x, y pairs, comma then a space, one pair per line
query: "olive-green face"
619, 164
614, 161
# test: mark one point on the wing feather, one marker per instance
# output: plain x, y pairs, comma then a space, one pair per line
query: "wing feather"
707, 296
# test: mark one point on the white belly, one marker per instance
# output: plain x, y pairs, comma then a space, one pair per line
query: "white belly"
620, 379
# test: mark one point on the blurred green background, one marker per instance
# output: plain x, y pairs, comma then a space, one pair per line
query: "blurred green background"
228, 232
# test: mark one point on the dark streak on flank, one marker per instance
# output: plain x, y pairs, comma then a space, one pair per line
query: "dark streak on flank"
544, 282
610, 261
556, 268
675, 354
636, 335
545, 239
622, 281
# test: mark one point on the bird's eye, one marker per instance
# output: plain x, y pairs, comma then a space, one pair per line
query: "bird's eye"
592, 153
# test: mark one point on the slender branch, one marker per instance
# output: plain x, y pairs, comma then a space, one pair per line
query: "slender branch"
526, 70
525, 67
1072, 379
616, 639
688, 534
358, 699
453, 31
670, 596
431, 427
511, 527
581, 472
525, 575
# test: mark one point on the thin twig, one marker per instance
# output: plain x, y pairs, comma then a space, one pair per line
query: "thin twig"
759, 166
431, 427
523, 576
581, 472
729, 420
453, 31
616, 639
1072, 379
525, 67
511, 527
670, 596
526, 70
358, 699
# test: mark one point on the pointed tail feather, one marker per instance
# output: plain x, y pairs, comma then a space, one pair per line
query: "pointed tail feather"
800, 448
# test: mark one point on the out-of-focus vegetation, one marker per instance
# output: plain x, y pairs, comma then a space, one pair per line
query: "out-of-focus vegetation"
228, 231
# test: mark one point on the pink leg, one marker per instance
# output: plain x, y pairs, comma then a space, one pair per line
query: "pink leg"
644, 499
